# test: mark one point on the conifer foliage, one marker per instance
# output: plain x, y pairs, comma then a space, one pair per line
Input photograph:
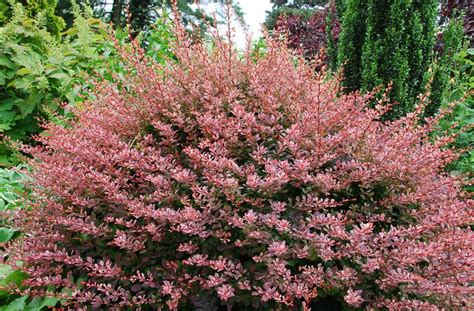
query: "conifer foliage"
226, 180
384, 41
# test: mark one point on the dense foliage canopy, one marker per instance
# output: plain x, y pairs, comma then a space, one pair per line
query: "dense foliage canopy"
227, 180
176, 173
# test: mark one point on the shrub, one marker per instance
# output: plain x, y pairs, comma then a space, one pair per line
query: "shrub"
275, 15
453, 8
11, 193
24, 77
43, 10
383, 42
38, 72
313, 35
461, 120
223, 179
449, 44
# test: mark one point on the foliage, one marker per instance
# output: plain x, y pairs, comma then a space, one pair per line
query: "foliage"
452, 83
11, 190
303, 9
4, 12
313, 35
461, 120
11, 193
298, 3
277, 13
37, 73
139, 15
40, 10
309, 28
388, 41
158, 40
28, 85
333, 30
451, 43
454, 8
252, 183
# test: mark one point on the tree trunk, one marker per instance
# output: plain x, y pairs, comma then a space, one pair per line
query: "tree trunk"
116, 14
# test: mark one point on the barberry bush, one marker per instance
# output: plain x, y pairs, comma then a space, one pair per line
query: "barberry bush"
224, 180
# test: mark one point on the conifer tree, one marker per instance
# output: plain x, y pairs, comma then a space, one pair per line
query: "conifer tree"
388, 41
441, 70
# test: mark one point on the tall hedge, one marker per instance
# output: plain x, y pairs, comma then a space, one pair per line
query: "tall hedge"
442, 70
388, 41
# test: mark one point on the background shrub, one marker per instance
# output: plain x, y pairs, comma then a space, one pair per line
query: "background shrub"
384, 41
43, 10
442, 72
315, 36
24, 77
453, 8
38, 72
12, 193
461, 120
224, 179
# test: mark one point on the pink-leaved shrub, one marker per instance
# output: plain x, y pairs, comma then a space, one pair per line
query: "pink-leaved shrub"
222, 180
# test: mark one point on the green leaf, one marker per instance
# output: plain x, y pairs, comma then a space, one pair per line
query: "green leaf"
456, 95
4, 127
16, 277
20, 84
23, 71
6, 234
30, 103
39, 303
17, 304
2, 78
8, 196
4, 61
60, 75
7, 104
470, 51
5, 270
15, 176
